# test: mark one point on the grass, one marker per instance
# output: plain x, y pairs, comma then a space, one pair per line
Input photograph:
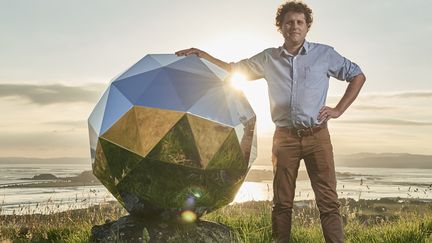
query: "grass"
385, 220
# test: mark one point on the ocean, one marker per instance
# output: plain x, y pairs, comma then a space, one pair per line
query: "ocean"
354, 182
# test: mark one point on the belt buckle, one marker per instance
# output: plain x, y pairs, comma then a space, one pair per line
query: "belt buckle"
300, 132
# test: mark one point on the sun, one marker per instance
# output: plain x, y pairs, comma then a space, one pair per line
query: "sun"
238, 81
256, 93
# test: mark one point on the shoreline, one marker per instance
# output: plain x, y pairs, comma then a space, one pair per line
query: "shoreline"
86, 178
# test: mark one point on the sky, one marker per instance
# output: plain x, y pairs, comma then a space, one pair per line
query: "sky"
57, 57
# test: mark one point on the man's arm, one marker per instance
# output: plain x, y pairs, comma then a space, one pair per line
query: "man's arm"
194, 51
353, 89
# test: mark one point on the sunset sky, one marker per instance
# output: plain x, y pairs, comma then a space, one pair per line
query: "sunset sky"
57, 57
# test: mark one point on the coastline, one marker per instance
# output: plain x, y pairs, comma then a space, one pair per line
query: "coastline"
365, 221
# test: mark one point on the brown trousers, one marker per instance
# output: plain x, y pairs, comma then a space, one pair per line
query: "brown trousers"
317, 152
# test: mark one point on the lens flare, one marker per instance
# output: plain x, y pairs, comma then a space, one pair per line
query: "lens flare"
190, 202
188, 216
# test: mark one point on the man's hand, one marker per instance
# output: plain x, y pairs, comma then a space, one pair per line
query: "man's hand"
192, 51
326, 113
205, 55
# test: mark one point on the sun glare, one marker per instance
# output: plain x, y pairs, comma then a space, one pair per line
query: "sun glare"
238, 81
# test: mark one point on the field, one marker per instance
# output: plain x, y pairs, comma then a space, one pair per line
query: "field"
385, 220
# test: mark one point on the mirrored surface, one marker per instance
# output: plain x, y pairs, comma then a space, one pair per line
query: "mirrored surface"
169, 134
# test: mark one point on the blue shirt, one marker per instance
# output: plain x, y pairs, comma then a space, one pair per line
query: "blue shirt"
297, 85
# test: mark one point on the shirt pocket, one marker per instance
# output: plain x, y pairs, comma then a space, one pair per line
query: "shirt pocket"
315, 76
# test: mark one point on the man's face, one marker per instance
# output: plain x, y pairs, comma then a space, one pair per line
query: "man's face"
294, 28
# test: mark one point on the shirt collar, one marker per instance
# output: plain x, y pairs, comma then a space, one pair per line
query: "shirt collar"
303, 51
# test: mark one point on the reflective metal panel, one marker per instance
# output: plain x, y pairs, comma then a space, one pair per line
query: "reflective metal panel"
172, 136
229, 156
161, 94
93, 142
254, 150
209, 137
189, 86
119, 160
222, 74
178, 146
118, 106
153, 124
133, 87
193, 65
96, 117
165, 59
102, 172
213, 106
247, 139
238, 107
146, 64
125, 133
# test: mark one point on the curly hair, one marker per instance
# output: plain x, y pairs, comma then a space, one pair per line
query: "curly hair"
293, 6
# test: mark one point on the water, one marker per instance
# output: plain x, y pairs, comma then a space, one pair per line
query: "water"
361, 183
49, 199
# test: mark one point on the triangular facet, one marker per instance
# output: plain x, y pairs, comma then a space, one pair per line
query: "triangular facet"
117, 106
229, 156
161, 94
119, 160
190, 87
239, 109
213, 106
102, 171
254, 151
96, 117
125, 133
240, 131
146, 64
165, 59
222, 74
209, 137
93, 142
195, 66
134, 87
247, 140
178, 146
153, 124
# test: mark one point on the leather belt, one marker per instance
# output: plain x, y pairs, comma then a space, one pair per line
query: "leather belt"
303, 132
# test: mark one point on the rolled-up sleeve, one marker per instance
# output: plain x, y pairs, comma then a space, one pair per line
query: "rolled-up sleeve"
341, 68
252, 68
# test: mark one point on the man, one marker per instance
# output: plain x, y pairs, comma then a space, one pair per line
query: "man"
298, 74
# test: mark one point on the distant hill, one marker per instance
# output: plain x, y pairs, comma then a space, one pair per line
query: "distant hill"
385, 160
371, 160
20, 160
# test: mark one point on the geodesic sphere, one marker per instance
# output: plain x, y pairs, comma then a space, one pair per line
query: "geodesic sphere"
170, 135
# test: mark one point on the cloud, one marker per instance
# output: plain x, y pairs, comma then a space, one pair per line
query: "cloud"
52, 94
66, 123
407, 94
374, 108
396, 122
413, 94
